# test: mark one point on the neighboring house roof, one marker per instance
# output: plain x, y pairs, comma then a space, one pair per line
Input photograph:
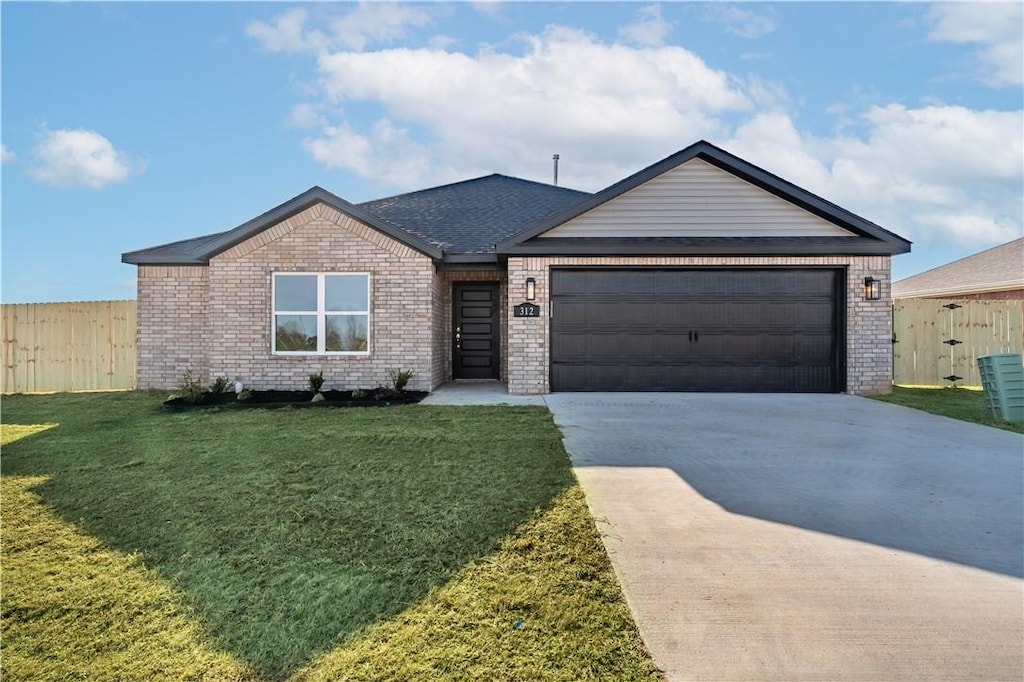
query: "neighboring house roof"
997, 269
470, 217
873, 239
200, 250
478, 220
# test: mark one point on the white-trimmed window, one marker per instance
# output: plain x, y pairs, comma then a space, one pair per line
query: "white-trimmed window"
321, 313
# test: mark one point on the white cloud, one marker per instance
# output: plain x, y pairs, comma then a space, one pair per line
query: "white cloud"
306, 115
377, 22
367, 24
6, 154
81, 158
996, 27
605, 108
488, 8
287, 34
741, 22
384, 149
649, 30
934, 172
441, 42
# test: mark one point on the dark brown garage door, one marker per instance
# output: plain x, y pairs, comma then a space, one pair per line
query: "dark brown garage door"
696, 330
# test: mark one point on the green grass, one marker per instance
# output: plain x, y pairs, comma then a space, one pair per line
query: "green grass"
399, 543
957, 403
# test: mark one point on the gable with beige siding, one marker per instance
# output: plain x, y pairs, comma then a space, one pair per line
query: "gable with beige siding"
697, 199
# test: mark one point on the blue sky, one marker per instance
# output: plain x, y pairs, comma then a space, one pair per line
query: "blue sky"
126, 125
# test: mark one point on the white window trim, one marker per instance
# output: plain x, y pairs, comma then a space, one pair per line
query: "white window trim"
321, 315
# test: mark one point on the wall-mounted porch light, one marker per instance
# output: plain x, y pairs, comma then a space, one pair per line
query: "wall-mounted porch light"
531, 288
872, 289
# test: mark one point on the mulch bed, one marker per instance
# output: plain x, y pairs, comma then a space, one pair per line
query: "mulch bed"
268, 399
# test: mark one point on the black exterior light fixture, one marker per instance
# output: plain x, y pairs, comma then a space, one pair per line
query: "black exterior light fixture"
872, 289
531, 288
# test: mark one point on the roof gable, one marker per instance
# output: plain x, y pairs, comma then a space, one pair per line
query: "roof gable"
200, 250
851, 232
697, 199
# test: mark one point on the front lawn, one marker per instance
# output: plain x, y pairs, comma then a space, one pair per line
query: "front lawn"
398, 543
958, 403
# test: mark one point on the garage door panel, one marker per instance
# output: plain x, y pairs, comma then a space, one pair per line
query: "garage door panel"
734, 377
614, 313
698, 329
614, 347
763, 348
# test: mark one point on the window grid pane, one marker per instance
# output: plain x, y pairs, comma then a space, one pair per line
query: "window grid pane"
295, 293
346, 293
295, 333
346, 333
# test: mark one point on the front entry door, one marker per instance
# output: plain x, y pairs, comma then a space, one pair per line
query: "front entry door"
475, 330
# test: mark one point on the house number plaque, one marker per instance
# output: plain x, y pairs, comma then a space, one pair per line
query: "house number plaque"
526, 310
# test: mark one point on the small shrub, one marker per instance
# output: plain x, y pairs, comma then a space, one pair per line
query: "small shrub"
219, 385
400, 378
316, 380
384, 393
246, 394
189, 388
358, 394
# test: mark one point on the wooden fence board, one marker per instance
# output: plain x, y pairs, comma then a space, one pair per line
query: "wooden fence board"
922, 325
80, 346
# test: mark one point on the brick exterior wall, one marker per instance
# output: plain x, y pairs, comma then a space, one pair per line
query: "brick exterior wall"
172, 324
868, 332
235, 290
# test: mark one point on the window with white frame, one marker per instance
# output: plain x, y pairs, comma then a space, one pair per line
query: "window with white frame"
321, 313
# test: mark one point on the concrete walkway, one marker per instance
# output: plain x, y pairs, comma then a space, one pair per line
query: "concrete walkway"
478, 393
799, 537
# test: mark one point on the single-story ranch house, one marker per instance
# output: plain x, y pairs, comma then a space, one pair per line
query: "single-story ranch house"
701, 272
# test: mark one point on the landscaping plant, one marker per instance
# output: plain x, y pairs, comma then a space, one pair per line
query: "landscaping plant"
400, 378
316, 381
219, 385
190, 388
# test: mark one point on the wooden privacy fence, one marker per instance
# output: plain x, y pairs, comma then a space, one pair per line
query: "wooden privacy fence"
939, 338
83, 346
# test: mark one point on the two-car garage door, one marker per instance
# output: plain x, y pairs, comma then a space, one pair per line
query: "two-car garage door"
697, 330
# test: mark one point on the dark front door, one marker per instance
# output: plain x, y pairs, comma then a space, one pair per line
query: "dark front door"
475, 332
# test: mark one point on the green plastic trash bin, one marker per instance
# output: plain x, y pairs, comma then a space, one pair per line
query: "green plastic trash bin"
1002, 378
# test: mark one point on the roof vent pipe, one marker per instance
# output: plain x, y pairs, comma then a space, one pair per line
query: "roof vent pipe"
555, 159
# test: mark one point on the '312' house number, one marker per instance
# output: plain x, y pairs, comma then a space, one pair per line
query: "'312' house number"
526, 310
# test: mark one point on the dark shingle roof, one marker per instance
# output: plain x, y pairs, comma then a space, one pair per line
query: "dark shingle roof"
471, 216
186, 248
1000, 268
198, 251
465, 218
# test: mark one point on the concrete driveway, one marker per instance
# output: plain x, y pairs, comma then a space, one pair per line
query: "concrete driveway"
807, 537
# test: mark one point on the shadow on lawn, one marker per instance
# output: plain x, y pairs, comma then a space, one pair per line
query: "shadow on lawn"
290, 530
